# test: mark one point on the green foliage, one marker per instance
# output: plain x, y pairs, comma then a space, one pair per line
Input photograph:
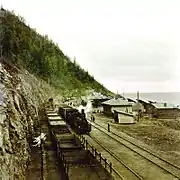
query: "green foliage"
37, 53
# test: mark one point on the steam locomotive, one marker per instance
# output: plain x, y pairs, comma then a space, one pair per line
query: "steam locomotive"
75, 119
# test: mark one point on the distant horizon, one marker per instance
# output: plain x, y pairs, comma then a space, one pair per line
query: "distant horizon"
161, 97
168, 97
153, 92
135, 92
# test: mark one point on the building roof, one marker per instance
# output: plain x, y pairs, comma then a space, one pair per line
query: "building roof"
131, 100
124, 113
117, 102
98, 96
164, 106
143, 100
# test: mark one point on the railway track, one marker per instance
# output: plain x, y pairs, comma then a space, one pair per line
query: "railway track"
122, 171
75, 159
170, 171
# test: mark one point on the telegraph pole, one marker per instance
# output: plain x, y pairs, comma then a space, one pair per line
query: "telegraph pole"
138, 95
138, 103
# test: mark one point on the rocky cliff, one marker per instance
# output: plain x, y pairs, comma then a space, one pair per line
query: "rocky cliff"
21, 96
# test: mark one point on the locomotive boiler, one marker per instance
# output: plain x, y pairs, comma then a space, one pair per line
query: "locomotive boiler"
75, 119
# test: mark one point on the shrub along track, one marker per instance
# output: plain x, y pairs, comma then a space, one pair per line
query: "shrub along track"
148, 165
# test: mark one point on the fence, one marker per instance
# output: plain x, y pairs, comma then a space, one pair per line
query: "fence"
93, 151
96, 154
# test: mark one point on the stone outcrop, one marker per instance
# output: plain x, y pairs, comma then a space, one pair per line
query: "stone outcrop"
21, 96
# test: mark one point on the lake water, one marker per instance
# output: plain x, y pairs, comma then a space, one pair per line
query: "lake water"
170, 97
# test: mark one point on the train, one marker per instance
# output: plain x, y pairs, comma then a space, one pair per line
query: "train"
75, 119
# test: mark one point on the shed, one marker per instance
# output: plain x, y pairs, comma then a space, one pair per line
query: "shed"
165, 111
97, 99
117, 104
2, 12
97, 102
147, 107
124, 118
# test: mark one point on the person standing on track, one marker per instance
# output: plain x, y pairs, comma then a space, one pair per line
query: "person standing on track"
92, 118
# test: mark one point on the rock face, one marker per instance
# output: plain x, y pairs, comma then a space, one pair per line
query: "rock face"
21, 96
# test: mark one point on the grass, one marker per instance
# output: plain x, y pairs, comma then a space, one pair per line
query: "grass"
161, 135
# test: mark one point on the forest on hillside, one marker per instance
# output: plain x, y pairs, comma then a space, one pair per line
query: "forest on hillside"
26, 48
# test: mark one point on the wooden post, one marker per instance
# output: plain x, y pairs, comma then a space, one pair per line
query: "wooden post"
83, 143
88, 152
67, 168
105, 160
110, 165
60, 150
84, 139
65, 165
138, 102
57, 149
60, 153
80, 137
108, 127
86, 144
93, 150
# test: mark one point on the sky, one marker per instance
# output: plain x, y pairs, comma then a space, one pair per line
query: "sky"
126, 45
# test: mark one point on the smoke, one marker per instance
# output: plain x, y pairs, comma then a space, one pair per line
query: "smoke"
87, 109
80, 108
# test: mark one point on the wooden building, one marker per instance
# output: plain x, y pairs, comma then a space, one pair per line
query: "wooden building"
117, 104
147, 107
97, 99
124, 118
165, 111
159, 110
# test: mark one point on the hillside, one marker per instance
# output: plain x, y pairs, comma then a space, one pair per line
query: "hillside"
24, 47
32, 69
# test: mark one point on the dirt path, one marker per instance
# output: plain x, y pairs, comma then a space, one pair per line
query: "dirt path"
34, 169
